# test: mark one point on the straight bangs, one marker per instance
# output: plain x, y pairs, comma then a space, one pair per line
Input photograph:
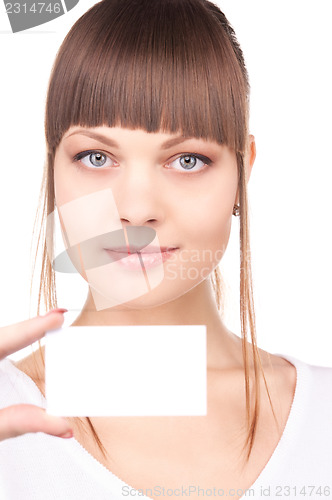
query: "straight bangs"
166, 65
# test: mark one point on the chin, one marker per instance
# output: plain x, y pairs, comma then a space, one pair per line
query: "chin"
163, 294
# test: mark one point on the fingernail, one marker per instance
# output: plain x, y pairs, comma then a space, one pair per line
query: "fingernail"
68, 434
58, 310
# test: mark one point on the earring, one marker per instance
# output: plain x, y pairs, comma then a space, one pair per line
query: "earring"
236, 210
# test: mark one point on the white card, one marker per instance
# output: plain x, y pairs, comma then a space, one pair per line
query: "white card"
126, 370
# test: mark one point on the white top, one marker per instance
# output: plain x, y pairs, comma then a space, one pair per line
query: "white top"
37, 466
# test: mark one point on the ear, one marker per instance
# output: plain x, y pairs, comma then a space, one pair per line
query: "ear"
250, 156
249, 160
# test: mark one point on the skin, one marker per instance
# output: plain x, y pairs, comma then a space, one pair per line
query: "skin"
151, 187
149, 190
192, 211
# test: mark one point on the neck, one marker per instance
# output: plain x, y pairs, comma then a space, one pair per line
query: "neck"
196, 307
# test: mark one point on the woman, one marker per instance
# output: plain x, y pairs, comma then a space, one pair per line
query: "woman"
139, 106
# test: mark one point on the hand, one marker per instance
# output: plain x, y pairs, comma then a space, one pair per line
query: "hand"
22, 418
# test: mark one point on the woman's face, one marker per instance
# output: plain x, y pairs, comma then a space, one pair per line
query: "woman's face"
183, 189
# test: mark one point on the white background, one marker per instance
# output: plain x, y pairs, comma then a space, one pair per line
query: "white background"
287, 46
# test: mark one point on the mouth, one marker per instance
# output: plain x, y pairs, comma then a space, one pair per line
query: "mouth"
136, 259
132, 249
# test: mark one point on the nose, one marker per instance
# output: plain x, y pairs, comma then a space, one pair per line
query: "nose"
139, 197
135, 221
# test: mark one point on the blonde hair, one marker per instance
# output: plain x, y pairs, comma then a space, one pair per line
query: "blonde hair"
160, 66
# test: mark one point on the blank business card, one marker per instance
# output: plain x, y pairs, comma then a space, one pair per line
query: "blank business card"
126, 370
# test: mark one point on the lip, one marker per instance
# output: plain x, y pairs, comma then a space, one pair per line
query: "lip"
133, 249
135, 261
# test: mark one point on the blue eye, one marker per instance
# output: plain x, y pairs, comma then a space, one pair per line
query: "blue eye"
189, 162
93, 159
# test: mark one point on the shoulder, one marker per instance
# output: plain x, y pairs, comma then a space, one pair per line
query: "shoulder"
280, 374
33, 367
16, 385
9, 383
319, 381
309, 374
292, 372
7, 372
313, 388
322, 374
303, 391
281, 378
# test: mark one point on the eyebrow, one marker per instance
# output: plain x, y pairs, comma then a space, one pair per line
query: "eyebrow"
110, 142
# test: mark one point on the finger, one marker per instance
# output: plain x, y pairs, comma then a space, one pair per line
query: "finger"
17, 336
23, 418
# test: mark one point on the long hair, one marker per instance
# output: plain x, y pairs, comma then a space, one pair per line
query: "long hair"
166, 65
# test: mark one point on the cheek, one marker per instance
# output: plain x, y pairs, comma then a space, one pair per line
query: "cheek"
85, 211
205, 222
207, 217
68, 184
212, 235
